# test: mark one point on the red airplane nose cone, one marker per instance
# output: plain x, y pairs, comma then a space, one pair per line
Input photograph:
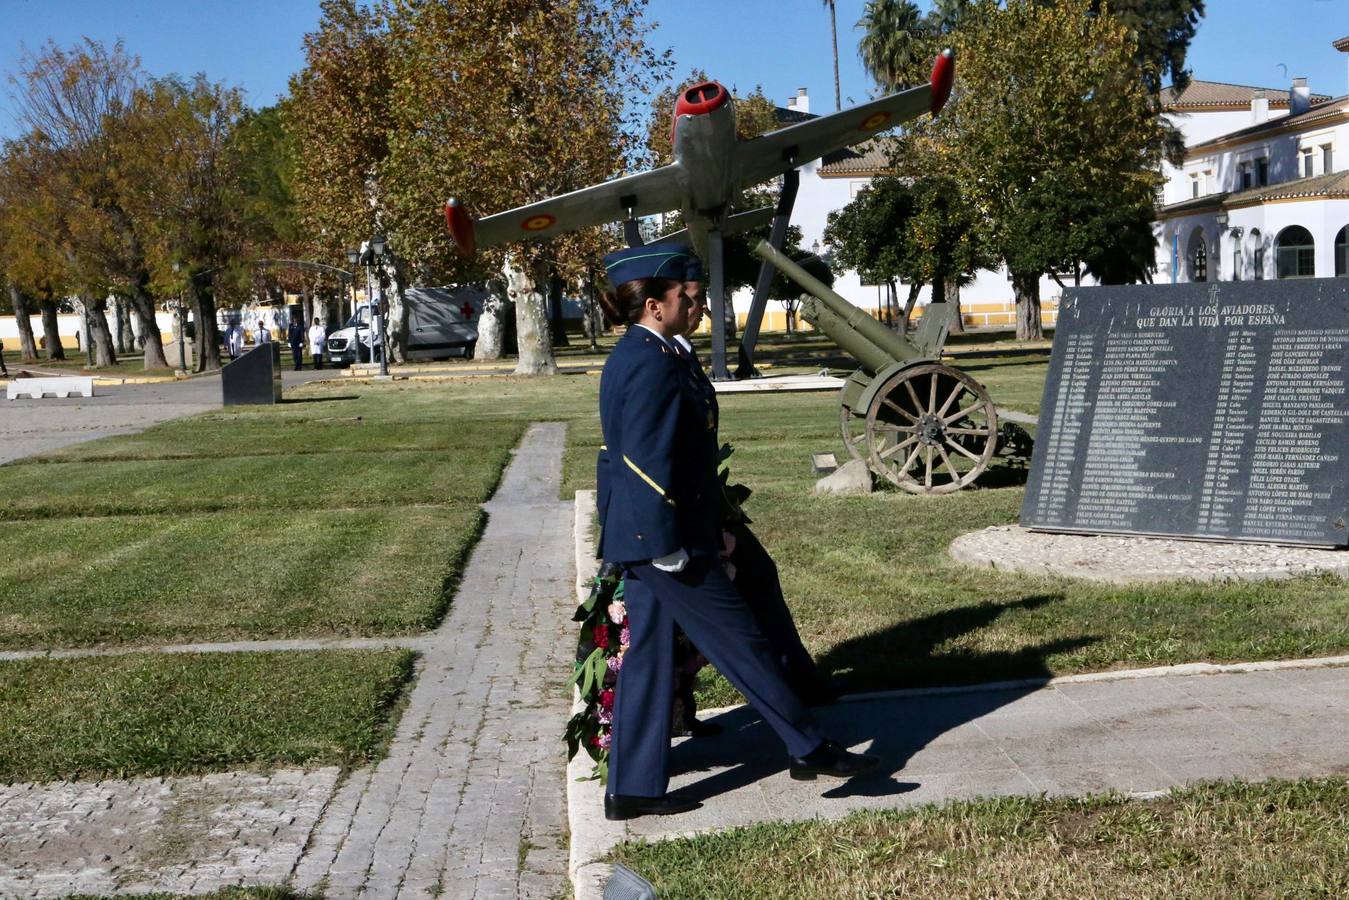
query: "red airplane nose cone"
943, 77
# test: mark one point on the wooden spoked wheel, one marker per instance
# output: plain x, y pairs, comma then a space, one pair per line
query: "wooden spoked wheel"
931, 429
854, 429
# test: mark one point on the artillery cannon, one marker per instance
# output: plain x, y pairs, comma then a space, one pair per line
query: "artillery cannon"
924, 426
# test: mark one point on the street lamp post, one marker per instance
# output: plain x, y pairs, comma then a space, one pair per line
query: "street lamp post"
374, 255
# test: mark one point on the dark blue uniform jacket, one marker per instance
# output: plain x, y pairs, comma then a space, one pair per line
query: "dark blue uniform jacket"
657, 487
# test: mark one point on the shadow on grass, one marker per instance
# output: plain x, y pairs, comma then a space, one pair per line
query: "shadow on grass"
320, 399
895, 727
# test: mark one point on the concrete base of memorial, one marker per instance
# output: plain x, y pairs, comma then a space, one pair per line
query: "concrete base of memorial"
1125, 559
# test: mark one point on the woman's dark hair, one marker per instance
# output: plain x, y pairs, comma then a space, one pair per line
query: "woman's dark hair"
624, 305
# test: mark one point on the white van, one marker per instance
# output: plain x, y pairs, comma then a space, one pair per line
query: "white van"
442, 322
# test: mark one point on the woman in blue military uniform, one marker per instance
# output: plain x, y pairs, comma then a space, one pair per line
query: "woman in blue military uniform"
659, 513
755, 573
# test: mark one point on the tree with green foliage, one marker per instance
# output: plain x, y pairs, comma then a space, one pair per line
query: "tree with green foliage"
895, 47
1050, 135
85, 145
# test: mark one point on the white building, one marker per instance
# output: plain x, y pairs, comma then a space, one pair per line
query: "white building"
1264, 188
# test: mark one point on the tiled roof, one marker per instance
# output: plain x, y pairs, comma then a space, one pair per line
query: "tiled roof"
1315, 114
1201, 94
1342, 44
871, 158
1336, 184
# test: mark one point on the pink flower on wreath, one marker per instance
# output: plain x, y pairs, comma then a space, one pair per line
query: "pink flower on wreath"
617, 612
614, 663
625, 636
605, 716
604, 741
607, 699
595, 741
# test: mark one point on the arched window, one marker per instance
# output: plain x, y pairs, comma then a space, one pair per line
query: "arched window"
1342, 251
1257, 255
1295, 253
1236, 257
1198, 256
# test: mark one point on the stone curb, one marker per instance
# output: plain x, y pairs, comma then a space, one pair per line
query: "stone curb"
591, 833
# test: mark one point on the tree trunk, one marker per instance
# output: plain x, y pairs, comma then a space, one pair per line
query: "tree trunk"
400, 319
1027, 288
208, 332
527, 285
105, 355
151, 341
492, 323
909, 304
27, 345
953, 297
320, 309
592, 318
556, 327
126, 331
729, 319
51, 336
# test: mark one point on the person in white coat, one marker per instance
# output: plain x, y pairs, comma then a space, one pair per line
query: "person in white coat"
234, 340
263, 335
317, 336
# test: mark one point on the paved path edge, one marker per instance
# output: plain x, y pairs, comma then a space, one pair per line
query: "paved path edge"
592, 836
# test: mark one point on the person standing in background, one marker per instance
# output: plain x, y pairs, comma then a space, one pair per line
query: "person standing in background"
317, 336
264, 335
295, 337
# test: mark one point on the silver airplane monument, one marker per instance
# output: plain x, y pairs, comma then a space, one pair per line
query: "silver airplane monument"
710, 171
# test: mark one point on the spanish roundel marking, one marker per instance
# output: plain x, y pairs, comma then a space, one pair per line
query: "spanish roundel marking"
538, 223
874, 121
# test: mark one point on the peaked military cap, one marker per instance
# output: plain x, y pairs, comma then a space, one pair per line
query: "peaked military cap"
647, 262
693, 270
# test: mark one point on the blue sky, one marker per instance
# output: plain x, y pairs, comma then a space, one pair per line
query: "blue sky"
779, 44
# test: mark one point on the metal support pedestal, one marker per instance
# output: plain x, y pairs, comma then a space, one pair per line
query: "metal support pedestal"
791, 180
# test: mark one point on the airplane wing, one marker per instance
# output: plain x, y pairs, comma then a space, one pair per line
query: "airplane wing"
748, 220
769, 155
644, 193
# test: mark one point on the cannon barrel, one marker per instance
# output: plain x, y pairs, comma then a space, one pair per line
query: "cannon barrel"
871, 357
856, 322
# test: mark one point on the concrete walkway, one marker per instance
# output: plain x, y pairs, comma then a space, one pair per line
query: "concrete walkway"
470, 801
1137, 732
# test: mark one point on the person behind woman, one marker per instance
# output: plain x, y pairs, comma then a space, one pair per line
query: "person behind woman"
659, 517
755, 573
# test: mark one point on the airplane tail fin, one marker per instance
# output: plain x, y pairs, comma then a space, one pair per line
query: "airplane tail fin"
462, 226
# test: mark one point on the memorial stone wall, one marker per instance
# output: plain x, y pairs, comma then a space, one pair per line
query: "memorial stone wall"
1213, 411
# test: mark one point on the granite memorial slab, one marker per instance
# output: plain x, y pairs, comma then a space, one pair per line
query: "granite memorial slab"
254, 378
1213, 411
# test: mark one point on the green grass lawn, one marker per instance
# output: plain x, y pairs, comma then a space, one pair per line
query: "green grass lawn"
255, 574
1277, 839
150, 714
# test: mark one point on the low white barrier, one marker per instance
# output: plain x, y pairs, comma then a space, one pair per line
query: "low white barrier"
62, 386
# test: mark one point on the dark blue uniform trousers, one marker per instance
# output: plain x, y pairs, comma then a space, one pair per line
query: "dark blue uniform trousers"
756, 577
702, 600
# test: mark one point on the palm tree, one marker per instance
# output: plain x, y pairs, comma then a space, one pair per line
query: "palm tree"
894, 45
833, 27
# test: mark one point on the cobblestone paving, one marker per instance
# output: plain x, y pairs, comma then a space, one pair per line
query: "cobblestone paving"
470, 801
180, 835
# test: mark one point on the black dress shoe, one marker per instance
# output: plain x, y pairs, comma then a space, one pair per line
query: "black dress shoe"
832, 759
618, 807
